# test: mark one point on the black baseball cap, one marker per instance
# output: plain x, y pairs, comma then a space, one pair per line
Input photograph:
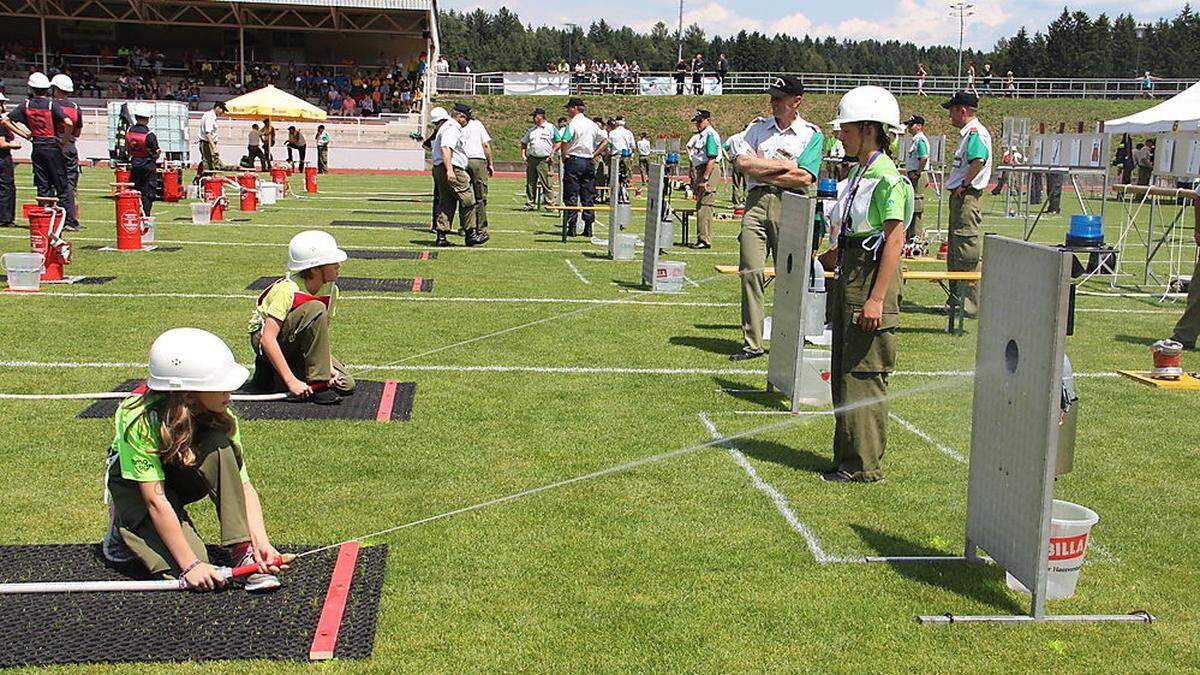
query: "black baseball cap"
915, 119
575, 102
462, 108
701, 114
962, 98
537, 111
786, 85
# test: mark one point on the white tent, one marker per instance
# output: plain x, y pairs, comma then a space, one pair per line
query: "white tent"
1178, 113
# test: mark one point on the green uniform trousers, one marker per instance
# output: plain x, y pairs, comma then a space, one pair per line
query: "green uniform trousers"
738, 198
322, 159
644, 168
477, 170
1189, 324
860, 364
209, 159
758, 239
537, 175
305, 342
215, 475
454, 195
964, 249
706, 199
920, 182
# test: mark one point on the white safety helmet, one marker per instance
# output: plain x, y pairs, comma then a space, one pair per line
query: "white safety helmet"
190, 359
869, 104
39, 81
63, 83
143, 110
313, 248
438, 114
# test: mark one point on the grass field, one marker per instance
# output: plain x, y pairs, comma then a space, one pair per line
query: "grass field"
686, 564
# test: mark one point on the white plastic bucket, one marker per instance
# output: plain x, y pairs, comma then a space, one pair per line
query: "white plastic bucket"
814, 388
668, 276
1070, 528
24, 271
192, 191
267, 193
624, 246
148, 230
201, 213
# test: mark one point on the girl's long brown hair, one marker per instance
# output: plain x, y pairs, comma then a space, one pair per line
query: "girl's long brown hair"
178, 423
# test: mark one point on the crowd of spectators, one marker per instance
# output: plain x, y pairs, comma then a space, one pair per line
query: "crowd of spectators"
606, 76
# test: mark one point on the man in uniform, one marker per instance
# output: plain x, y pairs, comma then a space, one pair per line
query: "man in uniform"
268, 141
601, 151
643, 150
454, 186
581, 141
781, 152
1188, 327
42, 119
738, 196
322, 149
969, 176
536, 146
704, 151
478, 144
8, 186
60, 86
210, 160
916, 164
621, 142
142, 146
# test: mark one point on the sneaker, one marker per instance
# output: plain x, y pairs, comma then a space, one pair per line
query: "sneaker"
702, 244
259, 582
478, 239
324, 397
836, 476
745, 355
442, 240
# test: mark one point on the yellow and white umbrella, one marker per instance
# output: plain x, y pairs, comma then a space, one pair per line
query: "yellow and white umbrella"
274, 103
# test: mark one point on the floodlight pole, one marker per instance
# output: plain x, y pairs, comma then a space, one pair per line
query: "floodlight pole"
679, 53
960, 8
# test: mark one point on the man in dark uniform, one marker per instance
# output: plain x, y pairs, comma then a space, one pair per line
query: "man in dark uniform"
8, 187
142, 146
60, 86
40, 117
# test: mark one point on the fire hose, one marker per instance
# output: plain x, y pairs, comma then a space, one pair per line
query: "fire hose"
129, 585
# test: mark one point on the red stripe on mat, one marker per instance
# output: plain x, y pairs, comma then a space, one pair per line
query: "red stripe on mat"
330, 622
416, 287
386, 399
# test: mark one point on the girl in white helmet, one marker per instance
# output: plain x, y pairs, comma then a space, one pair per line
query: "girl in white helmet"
289, 330
873, 206
178, 443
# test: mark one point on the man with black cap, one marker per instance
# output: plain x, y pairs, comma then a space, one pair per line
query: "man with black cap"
968, 177
916, 163
777, 153
8, 185
454, 185
581, 140
478, 144
536, 146
43, 119
704, 151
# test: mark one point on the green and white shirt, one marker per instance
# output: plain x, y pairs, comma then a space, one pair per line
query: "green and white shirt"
137, 441
581, 137
704, 146
974, 143
918, 149
870, 197
539, 140
801, 142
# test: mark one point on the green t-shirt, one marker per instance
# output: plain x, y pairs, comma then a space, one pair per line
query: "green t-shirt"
138, 439
922, 148
976, 148
890, 195
558, 135
277, 301
814, 153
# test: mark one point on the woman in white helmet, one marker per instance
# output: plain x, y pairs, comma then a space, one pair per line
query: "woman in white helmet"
289, 330
873, 206
179, 443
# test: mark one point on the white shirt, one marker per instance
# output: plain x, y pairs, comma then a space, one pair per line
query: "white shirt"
765, 139
585, 137
539, 140
696, 146
208, 126
621, 139
601, 136
450, 135
959, 171
474, 136
911, 161
643, 147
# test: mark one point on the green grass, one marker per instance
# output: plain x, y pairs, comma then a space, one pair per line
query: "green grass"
507, 117
679, 565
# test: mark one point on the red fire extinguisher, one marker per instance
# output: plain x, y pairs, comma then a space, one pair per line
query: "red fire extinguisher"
130, 224
45, 237
310, 179
249, 184
172, 183
279, 176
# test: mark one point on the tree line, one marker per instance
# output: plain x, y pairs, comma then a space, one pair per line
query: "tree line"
1073, 45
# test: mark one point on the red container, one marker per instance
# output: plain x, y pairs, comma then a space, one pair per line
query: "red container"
41, 221
129, 220
249, 183
124, 175
172, 184
279, 175
213, 187
310, 179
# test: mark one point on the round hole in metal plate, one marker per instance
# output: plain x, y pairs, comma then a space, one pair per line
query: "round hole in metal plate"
1012, 356
789, 263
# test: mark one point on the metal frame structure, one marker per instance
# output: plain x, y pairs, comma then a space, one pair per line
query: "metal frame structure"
793, 267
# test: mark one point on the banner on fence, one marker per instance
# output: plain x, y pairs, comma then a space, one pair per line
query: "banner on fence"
657, 85
537, 84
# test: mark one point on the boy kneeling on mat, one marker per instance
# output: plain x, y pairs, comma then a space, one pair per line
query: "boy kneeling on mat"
176, 444
289, 331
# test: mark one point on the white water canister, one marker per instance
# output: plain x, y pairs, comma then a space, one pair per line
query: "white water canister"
147, 230
668, 276
267, 193
624, 246
24, 271
814, 303
815, 374
201, 213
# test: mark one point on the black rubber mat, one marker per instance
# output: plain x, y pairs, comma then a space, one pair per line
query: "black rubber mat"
367, 254
363, 405
385, 212
115, 627
160, 249
86, 281
362, 284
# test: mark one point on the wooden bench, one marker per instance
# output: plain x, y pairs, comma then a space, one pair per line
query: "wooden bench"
941, 277
683, 213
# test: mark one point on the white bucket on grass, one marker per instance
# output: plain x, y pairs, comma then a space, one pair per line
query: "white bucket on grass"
624, 246
814, 387
24, 271
1070, 528
192, 191
147, 230
267, 193
668, 276
201, 213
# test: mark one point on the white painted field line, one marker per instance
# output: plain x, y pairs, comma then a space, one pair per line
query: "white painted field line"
578, 274
777, 498
916, 431
689, 280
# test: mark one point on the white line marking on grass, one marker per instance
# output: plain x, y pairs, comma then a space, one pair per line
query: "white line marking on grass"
777, 498
1098, 310
578, 274
689, 280
916, 431
1098, 294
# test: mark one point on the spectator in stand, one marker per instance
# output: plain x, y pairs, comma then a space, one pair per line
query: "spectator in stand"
1010, 84
697, 68
463, 65
442, 66
921, 75
348, 106
722, 70
681, 71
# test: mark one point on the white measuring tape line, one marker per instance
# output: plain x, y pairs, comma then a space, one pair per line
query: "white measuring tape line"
103, 395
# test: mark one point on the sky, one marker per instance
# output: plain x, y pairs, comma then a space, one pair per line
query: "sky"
919, 21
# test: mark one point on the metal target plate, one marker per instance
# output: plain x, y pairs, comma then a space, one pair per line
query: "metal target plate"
792, 270
654, 197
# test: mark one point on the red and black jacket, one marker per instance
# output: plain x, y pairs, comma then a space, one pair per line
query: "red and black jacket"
42, 116
141, 143
72, 112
